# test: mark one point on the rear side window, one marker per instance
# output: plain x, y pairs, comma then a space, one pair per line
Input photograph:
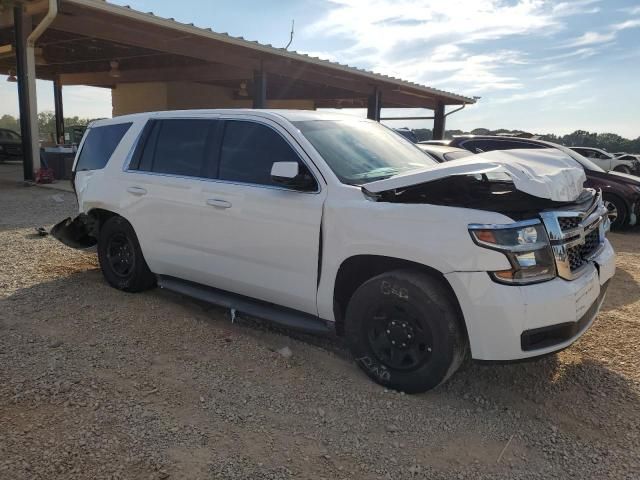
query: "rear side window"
177, 147
250, 149
99, 145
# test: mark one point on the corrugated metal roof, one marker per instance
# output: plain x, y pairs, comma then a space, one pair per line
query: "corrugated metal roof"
150, 17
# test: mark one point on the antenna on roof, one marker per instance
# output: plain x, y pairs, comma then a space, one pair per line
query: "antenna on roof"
293, 22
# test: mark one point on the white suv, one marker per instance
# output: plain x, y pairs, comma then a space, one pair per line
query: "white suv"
325, 222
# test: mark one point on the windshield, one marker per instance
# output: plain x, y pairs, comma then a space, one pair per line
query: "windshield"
360, 151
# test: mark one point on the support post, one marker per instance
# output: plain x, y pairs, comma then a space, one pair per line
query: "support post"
57, 100
22, 25
259, 89
374, 105
439, 121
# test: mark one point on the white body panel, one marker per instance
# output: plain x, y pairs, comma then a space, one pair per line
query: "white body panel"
264, 242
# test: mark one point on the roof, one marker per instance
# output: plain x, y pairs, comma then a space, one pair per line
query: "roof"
207, 33
290, 115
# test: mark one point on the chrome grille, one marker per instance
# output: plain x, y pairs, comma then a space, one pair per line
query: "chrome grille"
576, 236
568, 223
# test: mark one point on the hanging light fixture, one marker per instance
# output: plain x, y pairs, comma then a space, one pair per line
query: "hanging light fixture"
115, 69
12, 76
243, 90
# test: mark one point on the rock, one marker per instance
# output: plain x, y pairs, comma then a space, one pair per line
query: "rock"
285, 352
55, 344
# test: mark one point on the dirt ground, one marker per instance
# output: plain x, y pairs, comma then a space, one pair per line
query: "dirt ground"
96, 383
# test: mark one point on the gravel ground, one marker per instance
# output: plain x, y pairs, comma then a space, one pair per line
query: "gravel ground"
96, 383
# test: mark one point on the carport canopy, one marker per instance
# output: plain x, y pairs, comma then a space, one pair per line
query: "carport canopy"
175, 65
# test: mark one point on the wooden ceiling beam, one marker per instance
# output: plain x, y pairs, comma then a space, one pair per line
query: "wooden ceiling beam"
194, 73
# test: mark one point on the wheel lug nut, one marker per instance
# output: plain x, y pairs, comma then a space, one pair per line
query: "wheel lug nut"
409, 337
388, 331
393, 342
404, 344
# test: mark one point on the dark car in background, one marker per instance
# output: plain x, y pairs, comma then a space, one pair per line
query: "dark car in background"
407, 133
443, 153
621, 192
10, 145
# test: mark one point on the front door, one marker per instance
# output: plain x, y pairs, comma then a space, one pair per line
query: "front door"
261, 239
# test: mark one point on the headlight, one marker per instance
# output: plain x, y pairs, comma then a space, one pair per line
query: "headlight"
526, 246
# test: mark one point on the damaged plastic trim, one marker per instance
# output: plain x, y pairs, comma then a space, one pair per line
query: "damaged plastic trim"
80, 233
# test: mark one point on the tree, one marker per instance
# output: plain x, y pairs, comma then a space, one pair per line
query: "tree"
12, 123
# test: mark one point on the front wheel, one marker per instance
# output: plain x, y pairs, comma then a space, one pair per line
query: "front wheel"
404, 331
622, 169
617, 211
121, 259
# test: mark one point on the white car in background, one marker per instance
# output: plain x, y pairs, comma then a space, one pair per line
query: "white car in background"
328, 223
607, 161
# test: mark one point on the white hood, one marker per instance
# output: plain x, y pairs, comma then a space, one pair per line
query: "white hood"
544, 173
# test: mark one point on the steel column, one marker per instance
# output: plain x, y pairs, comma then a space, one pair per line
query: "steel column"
22, 25
439, 121
374, 105
259, 89
57, 100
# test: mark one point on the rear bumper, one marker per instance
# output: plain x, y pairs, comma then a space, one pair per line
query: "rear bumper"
76, 233
507, 323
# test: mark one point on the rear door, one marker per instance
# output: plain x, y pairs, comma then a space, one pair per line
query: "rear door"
162, 191
261, 239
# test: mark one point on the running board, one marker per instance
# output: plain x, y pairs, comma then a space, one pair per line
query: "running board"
285, 317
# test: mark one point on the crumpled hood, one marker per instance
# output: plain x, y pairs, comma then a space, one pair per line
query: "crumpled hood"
544, 173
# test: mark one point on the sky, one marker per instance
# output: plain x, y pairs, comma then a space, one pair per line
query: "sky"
544, 66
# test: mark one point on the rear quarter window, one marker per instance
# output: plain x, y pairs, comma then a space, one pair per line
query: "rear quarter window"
99, 145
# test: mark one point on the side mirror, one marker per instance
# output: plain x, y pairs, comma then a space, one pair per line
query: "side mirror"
288, 174
284, 172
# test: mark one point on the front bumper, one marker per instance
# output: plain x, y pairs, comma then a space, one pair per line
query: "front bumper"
507, 322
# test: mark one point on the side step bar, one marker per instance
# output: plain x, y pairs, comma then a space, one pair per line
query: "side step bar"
285, 317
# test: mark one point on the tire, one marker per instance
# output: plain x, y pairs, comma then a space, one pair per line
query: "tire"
418, 313
121, 259
622, 169
617, 211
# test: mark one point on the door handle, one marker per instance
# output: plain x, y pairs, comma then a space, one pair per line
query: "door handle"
137, 191
218, 203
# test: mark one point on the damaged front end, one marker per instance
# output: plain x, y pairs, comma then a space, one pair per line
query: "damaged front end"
481, 192
519, 184
79, 233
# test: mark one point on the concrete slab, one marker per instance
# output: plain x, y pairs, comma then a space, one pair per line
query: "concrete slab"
12, 172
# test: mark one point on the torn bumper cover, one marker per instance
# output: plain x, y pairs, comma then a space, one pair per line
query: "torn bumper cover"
76, 233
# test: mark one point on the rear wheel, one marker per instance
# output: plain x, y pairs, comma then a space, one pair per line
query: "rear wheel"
617, 211
404, 331
121, 259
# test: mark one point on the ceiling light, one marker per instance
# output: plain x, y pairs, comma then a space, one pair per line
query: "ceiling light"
12, 76
243, 90
115, 69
